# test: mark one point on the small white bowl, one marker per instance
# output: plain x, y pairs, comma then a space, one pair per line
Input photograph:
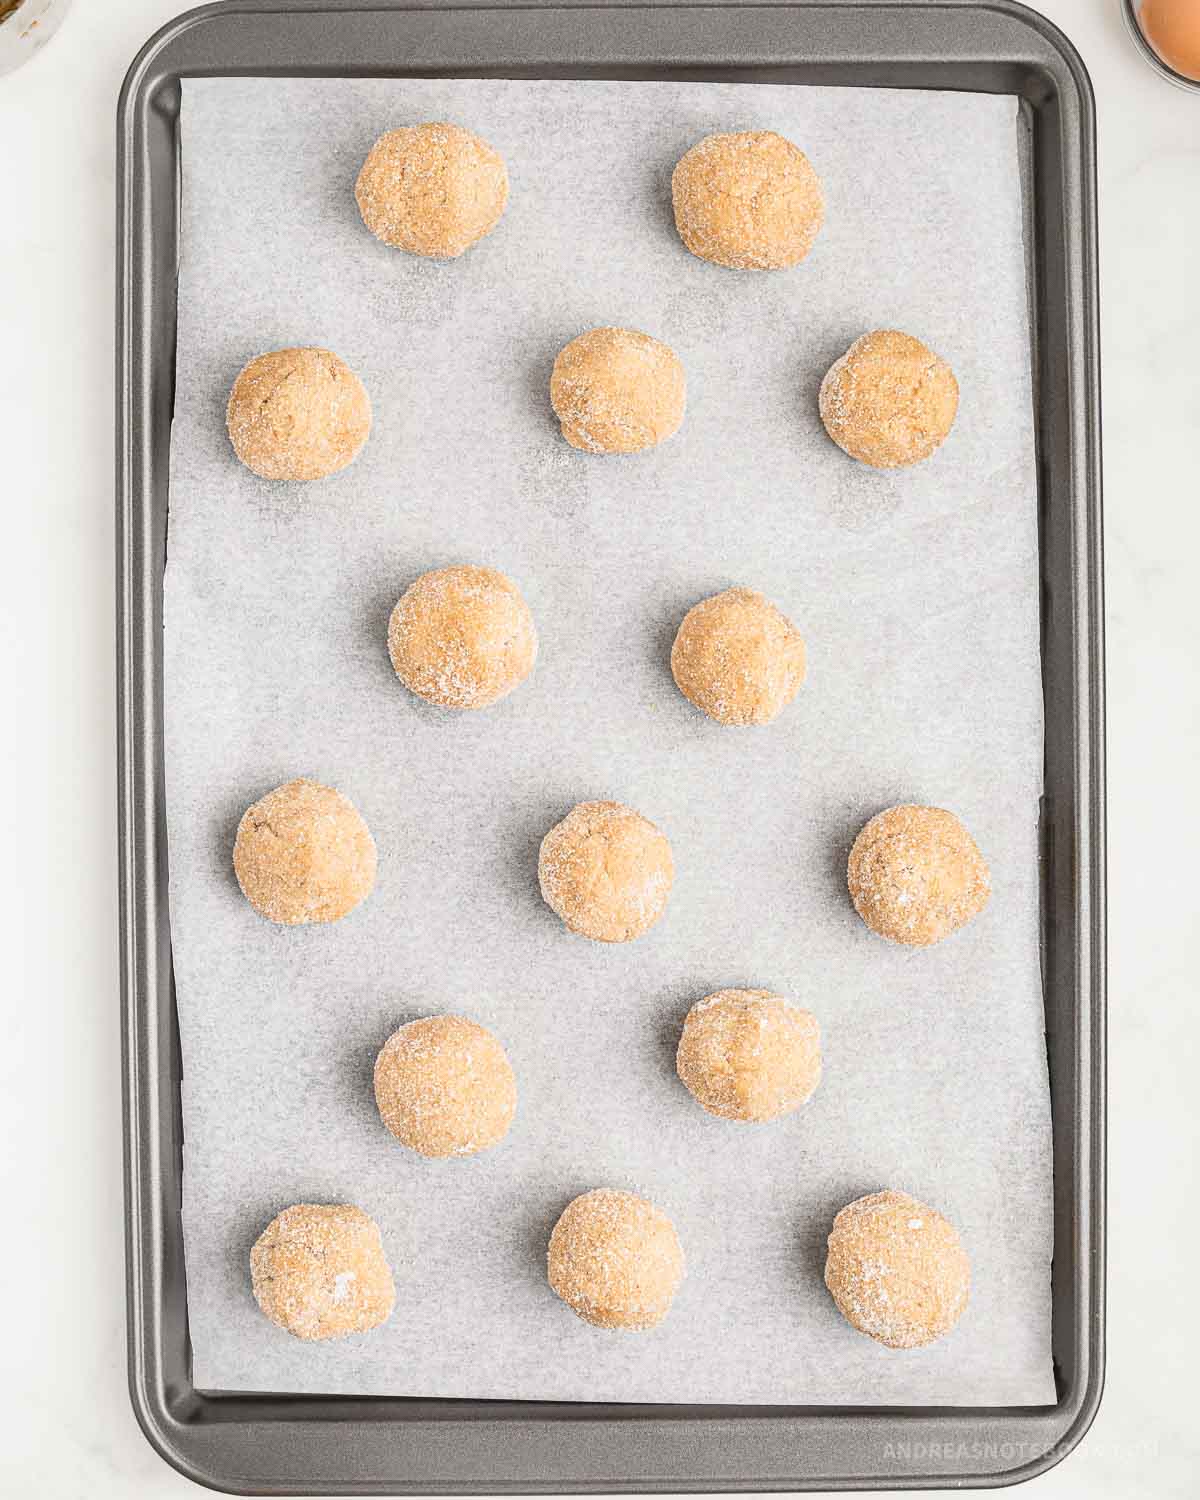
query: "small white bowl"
26, 28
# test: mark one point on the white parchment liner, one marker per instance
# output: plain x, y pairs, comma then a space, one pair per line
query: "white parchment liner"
917, 593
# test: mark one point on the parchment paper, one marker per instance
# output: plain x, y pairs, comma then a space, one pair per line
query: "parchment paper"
918, 596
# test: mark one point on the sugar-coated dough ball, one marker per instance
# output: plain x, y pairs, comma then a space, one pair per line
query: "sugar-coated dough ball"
737, 658
444, 1087
318, 1270
615, 1260
916, 875
297, 414
432, 189
897, 1270
617, 391
606, 871
889, 401
749, 1055
304, 854
749, 200
462, 637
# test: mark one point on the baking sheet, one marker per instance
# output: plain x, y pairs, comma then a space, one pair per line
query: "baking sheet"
917, 594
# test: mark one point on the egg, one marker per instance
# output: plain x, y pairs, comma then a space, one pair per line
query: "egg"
1172, 27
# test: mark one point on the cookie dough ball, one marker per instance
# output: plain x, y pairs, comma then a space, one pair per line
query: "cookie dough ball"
916, 875
606, 871
318, 1270
431, 189
897, 1270
889, 401
304, 854
297, 414
615, 1260
749, 1055
444, 1087
737, 658
617, 391
462, 637
749, 200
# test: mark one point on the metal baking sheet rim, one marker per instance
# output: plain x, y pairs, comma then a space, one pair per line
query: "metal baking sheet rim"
256, 1444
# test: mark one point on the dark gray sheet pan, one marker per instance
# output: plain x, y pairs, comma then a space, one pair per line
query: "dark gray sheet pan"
318, 1445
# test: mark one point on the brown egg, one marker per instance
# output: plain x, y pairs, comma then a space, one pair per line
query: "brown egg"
1172, 27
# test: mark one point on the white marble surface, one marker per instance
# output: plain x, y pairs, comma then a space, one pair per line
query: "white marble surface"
65, 1425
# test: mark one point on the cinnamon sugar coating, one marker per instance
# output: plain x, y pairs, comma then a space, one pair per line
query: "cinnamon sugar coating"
462, 637
303, 854
738, 658
749, 200
889, 401
606, 871
445, 1087
749, 1055
615, 1260
615, 390
897, 1270
916, 875
297, 414
434, 189
318, 1271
